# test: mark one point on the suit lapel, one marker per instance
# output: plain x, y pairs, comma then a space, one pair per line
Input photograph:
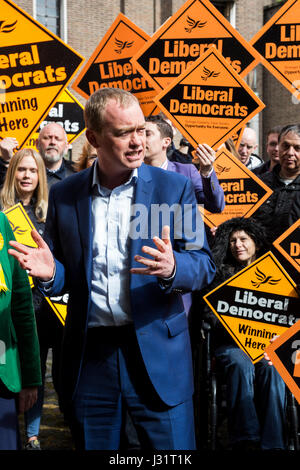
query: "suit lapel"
143, 196
84, 215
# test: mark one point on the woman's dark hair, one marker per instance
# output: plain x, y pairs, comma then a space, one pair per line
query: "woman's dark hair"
221, 248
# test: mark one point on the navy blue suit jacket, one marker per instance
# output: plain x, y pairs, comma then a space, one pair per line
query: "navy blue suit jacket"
158, 314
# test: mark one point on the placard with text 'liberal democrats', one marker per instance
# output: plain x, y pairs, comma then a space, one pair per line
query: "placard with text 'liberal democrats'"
187, 35
289, 244
278, 43
68, 112
209, 101
22, 226
284, 353
110, 66
256, 304
35, 66
244, 192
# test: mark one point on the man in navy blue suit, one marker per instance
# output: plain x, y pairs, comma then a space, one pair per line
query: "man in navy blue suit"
126, 345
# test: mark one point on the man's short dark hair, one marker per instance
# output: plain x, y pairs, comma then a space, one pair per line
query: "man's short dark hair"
274, 130
163, 126
295, 128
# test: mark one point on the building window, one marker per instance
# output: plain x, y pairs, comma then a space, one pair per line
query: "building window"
227, 8
52, 14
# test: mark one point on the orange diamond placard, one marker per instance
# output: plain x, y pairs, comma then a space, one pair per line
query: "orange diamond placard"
66, 111
109, 65
209, 101
289, 244
185, 36
244, 192
284, 353
35, 66
237, 137
257, 304
278, 43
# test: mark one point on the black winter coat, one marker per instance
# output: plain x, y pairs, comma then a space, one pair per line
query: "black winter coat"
282, 208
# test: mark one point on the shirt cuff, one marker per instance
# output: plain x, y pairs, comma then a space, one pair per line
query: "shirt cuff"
165, 282
47, 285
209, 174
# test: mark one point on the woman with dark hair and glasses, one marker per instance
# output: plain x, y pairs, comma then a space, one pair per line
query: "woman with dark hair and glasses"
255, 393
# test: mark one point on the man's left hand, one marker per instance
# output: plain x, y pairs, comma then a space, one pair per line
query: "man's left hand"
206, 156
163, 262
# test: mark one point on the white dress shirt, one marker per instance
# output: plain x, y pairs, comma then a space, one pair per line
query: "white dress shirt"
110, 303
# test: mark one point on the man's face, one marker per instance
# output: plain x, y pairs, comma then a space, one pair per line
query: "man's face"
155, 146
289, 154
121, 142
272, 148
247, 146
52, 143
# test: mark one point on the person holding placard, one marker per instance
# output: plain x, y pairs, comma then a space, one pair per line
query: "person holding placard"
255, 393
205, 182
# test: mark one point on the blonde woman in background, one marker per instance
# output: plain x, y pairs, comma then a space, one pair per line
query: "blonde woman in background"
26, 182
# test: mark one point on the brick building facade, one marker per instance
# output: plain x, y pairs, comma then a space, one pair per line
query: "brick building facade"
84, 22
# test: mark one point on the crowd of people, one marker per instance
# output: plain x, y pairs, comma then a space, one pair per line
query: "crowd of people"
122, 365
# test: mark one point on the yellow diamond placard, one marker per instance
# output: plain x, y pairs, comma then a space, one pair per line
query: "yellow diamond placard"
256, 304
110, 66
209, 101
244, 192
22, 226
59, 306
289, 244
187, 35
278, 43
35, 66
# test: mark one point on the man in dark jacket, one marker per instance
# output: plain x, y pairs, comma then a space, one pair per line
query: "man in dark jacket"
271, 150
281, 209
52, 144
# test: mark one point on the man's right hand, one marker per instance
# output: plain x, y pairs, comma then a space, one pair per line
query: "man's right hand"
38, 262
7, 147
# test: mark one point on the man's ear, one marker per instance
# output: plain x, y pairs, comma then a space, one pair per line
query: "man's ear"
91, 138
166, 142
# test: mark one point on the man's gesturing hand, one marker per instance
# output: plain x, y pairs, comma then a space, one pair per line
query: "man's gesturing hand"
163, 263
38, 262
